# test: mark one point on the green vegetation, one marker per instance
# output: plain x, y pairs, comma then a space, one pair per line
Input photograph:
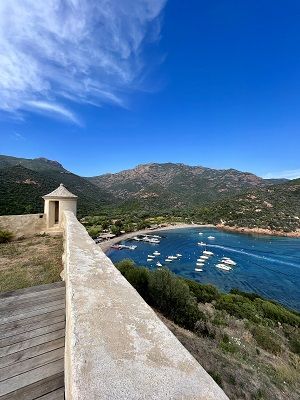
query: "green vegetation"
249, 345
157, 192
5, 236
29, 262
165, 292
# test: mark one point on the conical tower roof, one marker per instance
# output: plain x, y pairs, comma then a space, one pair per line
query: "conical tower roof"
60, 192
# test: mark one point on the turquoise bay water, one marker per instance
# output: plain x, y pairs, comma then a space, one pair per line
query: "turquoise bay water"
266, 265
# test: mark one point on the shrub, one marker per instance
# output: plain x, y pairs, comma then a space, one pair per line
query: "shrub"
203, 293
238, 306
5, 236
277, 313
139, 279
164, 291
294, 344
250, 296
266, 339
205, 328
173, 298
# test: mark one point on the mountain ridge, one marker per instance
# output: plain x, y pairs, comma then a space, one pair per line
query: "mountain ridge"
199, 193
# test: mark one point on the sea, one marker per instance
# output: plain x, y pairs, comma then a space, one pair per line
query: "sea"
266, 265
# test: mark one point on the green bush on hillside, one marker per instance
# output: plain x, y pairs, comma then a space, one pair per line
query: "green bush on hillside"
5, 236
266, 339
203, 293
177, 299
164, 291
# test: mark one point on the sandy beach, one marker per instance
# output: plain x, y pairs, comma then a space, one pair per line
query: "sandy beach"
106, 245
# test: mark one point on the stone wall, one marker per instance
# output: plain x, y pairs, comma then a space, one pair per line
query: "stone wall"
23, 225
116, 347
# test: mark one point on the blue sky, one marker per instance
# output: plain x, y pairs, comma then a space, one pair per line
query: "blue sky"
103, 86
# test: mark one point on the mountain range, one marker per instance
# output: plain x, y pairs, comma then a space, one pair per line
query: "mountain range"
152, 188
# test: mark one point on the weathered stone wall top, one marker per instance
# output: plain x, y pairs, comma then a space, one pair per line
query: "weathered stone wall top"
23, 225
116, 346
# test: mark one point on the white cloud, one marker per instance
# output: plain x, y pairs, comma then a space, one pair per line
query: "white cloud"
289, 174
52, 108
87, 51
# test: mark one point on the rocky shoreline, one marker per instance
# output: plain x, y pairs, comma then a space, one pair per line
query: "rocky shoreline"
259, 231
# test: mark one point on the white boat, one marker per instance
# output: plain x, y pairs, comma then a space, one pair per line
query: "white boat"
179, 255
156, 253
200, 264
224, 267
201, 244
200, 259
198, 269
210, 237
228, 262
137, 238
200, 233
158, 264
208, 253
204, 257
172, 257
149, 259
150, 256
132, 247
168, 260
155, 241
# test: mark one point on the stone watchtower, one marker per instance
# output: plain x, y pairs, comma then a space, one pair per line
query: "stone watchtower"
56, 203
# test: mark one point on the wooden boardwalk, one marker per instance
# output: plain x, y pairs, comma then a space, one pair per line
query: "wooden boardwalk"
32, 335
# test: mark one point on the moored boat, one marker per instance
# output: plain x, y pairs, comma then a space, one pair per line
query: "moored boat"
228, 261
223, 267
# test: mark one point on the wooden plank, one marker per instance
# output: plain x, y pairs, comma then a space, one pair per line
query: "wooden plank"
21, 312
46, 294
37, 311
31, 334
31, 363
22, 325
26, 344
41, 301
32, 289
32, 352
45, 320
37, 389
30, 377
58, 394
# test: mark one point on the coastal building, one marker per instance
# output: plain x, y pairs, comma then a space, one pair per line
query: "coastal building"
56, 203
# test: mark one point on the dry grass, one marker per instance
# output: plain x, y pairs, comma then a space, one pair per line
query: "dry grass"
29, 262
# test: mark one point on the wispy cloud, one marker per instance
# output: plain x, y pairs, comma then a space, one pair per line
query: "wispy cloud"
51, 108
289, 174
17, 136
87, 51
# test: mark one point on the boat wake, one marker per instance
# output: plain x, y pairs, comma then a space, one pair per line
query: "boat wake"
253, 255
